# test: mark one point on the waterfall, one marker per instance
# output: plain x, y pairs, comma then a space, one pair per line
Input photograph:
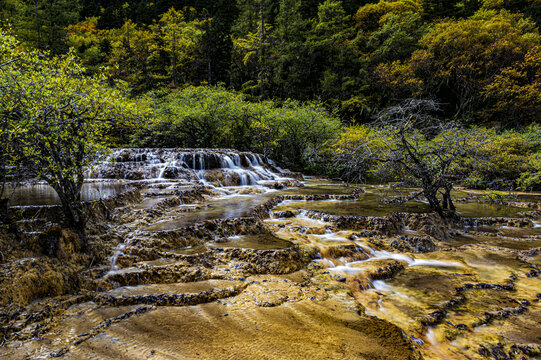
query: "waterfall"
162, 171
218, 167
119, 250
236, 158
243, 179
201, 162
228, 163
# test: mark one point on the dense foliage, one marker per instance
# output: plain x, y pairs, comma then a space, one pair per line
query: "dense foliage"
55, 120
297, 80
508, 160
214, 117
479, 58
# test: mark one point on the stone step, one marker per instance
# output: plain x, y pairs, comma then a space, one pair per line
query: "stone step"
180, 294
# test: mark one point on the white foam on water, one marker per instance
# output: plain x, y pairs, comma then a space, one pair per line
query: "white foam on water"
330, 237
227, 162
119, 251
408, 230
380, 305
366, 248
431, 337
325, 261
382, 254
347, 269
381, 285
302, 216
435, 344
187, 164
426, 262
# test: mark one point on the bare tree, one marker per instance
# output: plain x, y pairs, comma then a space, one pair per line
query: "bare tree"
351, 162
10, 167
414, 142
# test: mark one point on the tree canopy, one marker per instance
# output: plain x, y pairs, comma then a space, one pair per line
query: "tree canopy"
59, 118
475, 57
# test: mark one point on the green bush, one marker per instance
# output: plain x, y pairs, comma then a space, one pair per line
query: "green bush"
531, 180
213, 117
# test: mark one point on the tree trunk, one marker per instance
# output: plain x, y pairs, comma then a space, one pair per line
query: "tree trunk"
69, 193
445, 202
38, 26
174, 60
209, 66
449, 200
261, 39
4, 211
433, 201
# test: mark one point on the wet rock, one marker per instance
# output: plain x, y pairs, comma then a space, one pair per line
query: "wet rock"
199, 233
481, 286
283, 261
349, 252
530, 205
285, 214
389, 334
498, 221
388, 271
364, 234
263, 211
164, 274
384, 225
280, 184
533, 350
413, 244
171, 172
170, 299
536, 214
434, 318
427, 223
501, 314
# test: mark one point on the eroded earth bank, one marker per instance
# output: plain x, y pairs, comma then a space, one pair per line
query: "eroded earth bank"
220, 254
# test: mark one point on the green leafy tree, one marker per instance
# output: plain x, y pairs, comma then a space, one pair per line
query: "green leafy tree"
61, 118
514, 94
250, 52
42, 23
369, 17
180, 40
397, 38
439, 9
458, 59
291, 63
89, 42
132, 49
216, 46
213, 117
340, 65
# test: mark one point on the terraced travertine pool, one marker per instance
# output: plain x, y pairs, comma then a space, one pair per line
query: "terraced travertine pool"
302, 278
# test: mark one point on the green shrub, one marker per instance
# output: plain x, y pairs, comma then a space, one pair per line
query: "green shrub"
213, 117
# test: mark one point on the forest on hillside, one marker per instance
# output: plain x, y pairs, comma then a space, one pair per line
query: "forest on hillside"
300, 81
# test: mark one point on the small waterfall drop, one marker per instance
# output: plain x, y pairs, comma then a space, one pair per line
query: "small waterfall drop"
218, 167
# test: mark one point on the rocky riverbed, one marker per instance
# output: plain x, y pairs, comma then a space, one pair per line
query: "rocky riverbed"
314, 270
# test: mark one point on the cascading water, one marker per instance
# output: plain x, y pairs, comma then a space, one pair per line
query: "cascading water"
219, 167
119, 251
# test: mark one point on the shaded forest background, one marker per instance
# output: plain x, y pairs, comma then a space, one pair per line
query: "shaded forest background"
299, 80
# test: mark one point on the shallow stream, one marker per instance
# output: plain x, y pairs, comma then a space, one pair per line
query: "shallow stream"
297, 285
